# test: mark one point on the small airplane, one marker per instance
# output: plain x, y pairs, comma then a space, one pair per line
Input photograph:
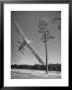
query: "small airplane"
26, 43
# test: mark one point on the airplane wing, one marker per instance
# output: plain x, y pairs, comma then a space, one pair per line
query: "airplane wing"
20, 32
35, 54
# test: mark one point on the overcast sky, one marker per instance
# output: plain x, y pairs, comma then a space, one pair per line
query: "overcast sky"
28, 21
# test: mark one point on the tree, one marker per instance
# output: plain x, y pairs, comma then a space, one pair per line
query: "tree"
43, 26
57, 19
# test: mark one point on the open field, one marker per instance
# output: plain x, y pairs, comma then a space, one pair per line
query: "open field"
34, 74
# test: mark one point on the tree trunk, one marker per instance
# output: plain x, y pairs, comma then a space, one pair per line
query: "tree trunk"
46, 55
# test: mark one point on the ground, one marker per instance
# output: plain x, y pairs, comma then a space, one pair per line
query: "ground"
34, 74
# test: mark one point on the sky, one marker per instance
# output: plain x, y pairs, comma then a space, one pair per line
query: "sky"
28, 22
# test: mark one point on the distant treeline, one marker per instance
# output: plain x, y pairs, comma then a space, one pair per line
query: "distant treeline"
51, 67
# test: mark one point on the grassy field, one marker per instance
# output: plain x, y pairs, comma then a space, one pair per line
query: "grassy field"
34, 74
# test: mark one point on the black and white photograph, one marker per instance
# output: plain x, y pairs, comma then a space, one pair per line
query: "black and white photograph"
35, 44
35, 41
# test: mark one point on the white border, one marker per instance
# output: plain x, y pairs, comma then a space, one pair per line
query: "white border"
64, 8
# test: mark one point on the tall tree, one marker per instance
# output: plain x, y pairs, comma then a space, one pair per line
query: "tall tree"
43, 29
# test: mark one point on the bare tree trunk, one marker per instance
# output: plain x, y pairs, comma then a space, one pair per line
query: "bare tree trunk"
46, 55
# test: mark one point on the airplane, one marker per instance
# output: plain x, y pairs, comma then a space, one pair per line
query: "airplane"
26, 43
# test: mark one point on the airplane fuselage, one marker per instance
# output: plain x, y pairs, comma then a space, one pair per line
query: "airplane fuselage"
22, 45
